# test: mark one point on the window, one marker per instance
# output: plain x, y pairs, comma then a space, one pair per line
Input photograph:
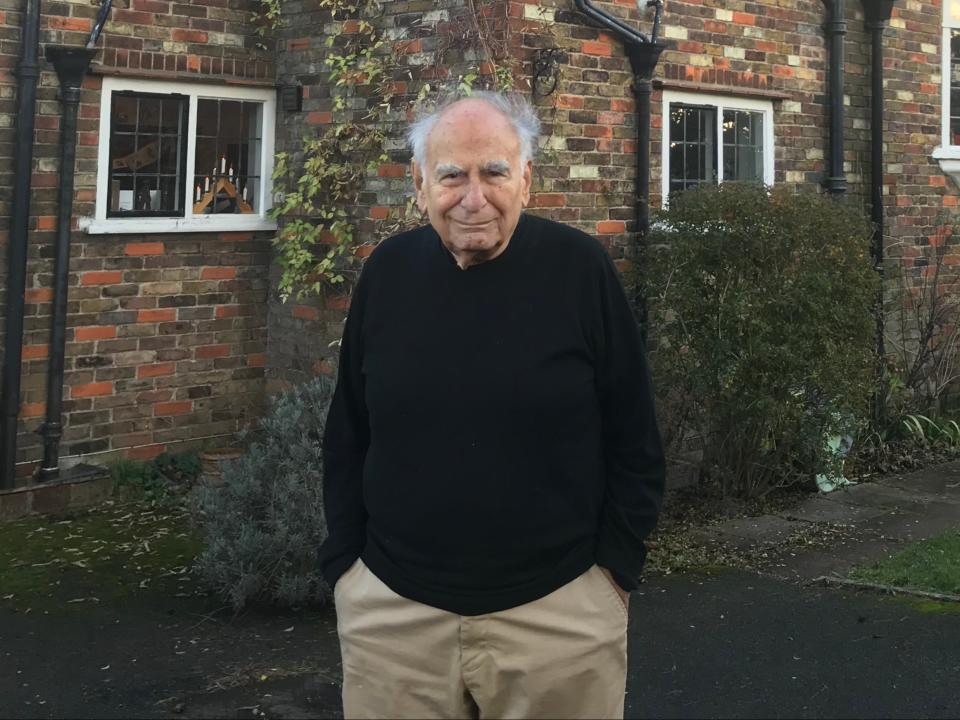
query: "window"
708, 140
176, 157
948, 153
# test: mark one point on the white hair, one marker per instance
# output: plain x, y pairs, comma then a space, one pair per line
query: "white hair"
515, 108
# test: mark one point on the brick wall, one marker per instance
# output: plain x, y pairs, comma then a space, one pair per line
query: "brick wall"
166, 338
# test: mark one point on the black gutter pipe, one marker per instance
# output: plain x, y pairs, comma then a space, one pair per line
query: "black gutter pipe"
643, 52
28, 71
71, 64
836, 180
876, 14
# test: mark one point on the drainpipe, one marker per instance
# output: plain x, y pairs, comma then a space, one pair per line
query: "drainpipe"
836, 181
876, 14
27, 72
643, 52
71, 64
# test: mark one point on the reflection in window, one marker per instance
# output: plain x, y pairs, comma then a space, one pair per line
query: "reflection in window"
227, 174
955, 87
742, 145
147, 155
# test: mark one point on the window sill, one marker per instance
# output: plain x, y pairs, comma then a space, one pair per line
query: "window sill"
146, 226
949, 159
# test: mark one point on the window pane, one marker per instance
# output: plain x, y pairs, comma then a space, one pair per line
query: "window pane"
123, 117
692, 146
743, 145
955, 87
228, 151
147, 168
149, 116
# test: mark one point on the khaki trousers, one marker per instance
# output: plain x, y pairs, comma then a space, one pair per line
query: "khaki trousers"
562, 656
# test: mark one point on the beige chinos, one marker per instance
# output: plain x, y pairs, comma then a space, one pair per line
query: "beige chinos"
562, 656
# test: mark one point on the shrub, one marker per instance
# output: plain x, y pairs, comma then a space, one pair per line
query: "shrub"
762, 308
264, 525
161, 480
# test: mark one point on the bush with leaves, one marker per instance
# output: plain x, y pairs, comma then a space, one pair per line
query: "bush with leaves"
264, 525
761, 307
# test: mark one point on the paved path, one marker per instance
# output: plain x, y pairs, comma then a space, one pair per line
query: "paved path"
733, 644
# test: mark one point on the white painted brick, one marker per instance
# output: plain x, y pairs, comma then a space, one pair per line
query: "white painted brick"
534, 12
725, 15
905, 95
815, 154
435, 16
792, 106
700, 60
675, 32
793, 60
795, 176
584, 171
928, 48
734, 52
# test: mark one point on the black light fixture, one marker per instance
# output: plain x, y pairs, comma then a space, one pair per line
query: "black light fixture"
546, 70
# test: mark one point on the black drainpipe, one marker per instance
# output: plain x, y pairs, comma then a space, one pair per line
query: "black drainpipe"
643, 52
876, 15
71, 64
27, 72
836, 180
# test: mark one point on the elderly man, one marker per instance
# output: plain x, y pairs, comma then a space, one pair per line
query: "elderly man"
493, 463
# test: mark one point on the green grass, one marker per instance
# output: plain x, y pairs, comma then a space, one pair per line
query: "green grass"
932, 565
106, 554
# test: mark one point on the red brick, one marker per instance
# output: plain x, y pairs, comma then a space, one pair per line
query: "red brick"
193, 63
392, 171
407, 47
364, 250
38, 295
298, 43
379, 212
319, 118
94, 332
619, 105
70, 23
206, 352
155, 370
94, 389
34, 352
598, 131
548, 200
46, 222
182, 35
304, 312
593, 47
32, 410
143, 248
218, 273
607, 227
257, 359
101, 277
226, 311
159, 315
179, 407
742, 18
570, 102
338, 302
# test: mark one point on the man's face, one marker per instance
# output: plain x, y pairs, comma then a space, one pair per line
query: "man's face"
473, 187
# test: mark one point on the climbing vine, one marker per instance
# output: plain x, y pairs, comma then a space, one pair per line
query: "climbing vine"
318, 187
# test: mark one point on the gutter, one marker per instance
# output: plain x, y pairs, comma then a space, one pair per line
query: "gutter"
28, 71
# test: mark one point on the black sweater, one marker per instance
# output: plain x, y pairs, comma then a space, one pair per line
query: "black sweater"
492, 434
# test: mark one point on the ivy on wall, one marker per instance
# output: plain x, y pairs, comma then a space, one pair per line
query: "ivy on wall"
318, 186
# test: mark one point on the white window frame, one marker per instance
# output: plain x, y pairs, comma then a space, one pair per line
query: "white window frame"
947, 154
101, 224
721, 103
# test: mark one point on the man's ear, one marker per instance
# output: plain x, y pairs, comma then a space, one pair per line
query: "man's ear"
526, 181
418, 185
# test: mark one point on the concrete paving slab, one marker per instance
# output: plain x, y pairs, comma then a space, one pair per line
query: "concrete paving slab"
936, 518
881, 496
939, 480
758, 532
821, 510
803, 564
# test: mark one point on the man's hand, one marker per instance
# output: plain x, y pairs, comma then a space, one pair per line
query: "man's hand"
623, 594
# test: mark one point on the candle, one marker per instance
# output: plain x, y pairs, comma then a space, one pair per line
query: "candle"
198, 194
244, 193
206, 185
223, 163
231, 173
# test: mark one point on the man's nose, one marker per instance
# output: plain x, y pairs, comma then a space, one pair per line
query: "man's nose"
474, 199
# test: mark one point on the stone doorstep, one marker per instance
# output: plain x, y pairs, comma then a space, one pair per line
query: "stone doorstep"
81, 486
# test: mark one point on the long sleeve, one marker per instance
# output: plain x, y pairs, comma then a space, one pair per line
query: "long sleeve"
633, 452
345, 443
